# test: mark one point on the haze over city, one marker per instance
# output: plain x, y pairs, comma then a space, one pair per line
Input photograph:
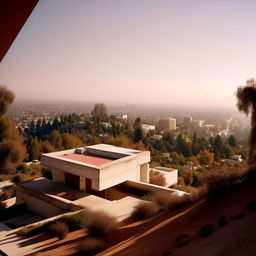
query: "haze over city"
153, 52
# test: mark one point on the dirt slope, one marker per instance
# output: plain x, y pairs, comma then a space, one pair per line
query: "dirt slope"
158, 235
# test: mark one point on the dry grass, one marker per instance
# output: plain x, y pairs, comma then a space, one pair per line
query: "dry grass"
59, 229
100, 224
91, 246
144, 210
74, 222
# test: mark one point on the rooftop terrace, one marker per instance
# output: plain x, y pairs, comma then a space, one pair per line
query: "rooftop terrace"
88, 159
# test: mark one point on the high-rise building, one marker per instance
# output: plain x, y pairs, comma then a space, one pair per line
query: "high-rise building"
187, 120
167, 124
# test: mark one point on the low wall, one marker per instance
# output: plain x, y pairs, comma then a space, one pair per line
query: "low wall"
152, 188
43, 204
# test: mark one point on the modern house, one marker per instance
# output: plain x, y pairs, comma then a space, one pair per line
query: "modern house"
94, 169
98, 177
148, 127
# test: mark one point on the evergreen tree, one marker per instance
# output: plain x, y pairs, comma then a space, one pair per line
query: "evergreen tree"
138, 133
232, 141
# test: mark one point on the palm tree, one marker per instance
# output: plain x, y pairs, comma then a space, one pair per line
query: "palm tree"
246, 102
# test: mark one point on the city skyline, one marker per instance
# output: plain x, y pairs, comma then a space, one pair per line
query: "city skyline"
150, 52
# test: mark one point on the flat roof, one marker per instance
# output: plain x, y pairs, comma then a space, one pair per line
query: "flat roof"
114, 149
88, 159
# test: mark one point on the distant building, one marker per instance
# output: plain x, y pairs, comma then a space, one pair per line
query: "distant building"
148, 127
154, 138
187, 120
237, 158
209, 126
167, 124
122, 117
234, 159
199, 123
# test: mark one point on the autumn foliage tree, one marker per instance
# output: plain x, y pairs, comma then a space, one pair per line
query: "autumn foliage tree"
12, 150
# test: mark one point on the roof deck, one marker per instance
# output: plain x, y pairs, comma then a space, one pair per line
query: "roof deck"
87, 159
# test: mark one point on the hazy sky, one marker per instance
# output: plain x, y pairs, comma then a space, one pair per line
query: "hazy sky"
134, 51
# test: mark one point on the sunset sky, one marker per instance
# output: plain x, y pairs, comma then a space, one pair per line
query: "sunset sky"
134, 51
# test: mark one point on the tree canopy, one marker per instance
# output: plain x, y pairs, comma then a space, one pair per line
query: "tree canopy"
12, 150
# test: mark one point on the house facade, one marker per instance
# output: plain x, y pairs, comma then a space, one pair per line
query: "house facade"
93, 169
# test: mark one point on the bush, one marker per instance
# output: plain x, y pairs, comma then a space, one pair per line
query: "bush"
223, 179
222, 221
207, 230
91, 246
7, 194
17, 179
74, 221
157, 178
144, 210
100, 224
59, 229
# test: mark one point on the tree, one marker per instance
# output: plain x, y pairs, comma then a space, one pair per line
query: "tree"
34, 149
218, 148
246, 102
227, 150
182, 146
205, 158
99, 113
232, 141
138, 133
12, 150
195, 146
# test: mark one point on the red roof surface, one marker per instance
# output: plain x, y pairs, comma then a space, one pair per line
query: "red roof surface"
87, 159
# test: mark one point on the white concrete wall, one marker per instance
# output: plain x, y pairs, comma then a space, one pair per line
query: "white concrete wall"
144, 173
73, 167
115, 174
171, 177
58, 176
37, 205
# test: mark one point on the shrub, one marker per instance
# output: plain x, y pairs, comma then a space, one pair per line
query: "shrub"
207, 230
17, 179
7, 194
252, 206
222, 179
157, 178
100, 224
59, 229
144, 210
222, 221
74, 221
91, 246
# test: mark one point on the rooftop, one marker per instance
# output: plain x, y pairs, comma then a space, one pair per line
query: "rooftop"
89, 159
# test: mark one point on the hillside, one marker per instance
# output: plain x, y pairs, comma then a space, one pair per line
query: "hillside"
158, 235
